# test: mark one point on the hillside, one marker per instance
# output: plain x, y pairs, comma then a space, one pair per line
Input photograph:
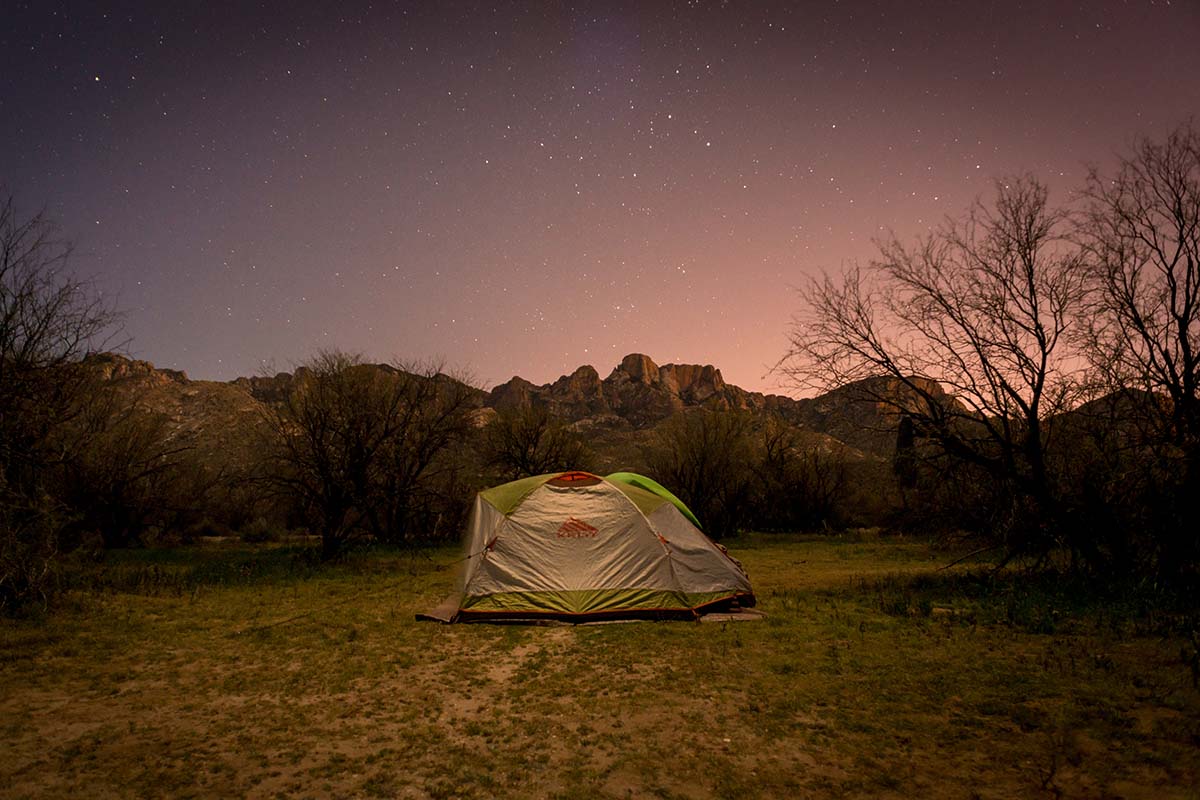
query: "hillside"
637, 390
616, 413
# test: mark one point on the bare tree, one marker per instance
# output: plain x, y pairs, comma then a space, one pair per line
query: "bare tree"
530, 441
419, 476
121, 470
800, 482
1142, 235
49, 320
354, 443
981, 307
706, 458
1142, 231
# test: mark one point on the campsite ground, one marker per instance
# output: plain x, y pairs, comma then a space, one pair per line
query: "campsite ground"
233, 671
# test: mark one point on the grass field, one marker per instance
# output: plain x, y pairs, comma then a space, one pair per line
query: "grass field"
229, 671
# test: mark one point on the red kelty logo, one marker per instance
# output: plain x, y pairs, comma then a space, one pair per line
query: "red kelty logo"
576, 529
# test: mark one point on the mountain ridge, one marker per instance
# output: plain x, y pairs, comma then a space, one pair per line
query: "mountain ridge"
637, 394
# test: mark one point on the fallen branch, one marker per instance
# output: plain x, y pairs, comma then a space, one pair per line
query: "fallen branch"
968, 555
257, 628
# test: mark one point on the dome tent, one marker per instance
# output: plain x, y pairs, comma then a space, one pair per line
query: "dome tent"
579, 547
651, 485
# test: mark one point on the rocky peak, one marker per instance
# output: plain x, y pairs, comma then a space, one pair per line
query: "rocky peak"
579, 394
583, 382
515, 393
885, 394
271, 389
636, 368
866, 414
692, 382
115, 367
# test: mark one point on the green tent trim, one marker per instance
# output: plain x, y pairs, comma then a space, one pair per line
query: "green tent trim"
591, 601
653, 486
508, 496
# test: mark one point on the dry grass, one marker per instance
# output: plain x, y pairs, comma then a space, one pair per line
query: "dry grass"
177, 675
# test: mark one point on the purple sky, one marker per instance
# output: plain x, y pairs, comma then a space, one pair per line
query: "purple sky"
527, 188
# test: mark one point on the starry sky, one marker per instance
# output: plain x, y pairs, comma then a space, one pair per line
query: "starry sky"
522, 188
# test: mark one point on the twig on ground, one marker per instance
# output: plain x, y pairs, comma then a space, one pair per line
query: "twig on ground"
969, 555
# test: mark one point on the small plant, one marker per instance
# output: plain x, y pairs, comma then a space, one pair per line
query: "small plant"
260, 531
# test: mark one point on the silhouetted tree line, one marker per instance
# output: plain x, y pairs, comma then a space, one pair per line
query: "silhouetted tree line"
349, 452
1067, 340
738, 471
364, 451
531, 441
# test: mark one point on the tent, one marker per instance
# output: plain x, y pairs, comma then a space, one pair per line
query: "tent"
651, 485
579, 547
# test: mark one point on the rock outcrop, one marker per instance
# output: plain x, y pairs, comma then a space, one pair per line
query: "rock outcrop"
213, 423
270, 389
637, 390
866, 414
220, 419
114, 367
580, 394
516, 393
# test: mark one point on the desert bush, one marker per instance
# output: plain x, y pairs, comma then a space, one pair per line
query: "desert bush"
706, 458
520, 442
206, 528
422, 462
940, 493
360, 448
799, 484
49, 320
30, 554
260, 531
119, 471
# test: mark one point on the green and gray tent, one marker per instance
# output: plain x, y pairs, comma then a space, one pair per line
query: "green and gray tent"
651, 485
572, 545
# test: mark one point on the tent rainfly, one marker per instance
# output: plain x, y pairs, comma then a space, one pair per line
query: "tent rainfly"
578, 547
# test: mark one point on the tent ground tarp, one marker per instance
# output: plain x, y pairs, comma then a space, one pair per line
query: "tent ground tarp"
444, 611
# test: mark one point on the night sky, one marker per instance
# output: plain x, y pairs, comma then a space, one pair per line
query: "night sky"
524, 188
